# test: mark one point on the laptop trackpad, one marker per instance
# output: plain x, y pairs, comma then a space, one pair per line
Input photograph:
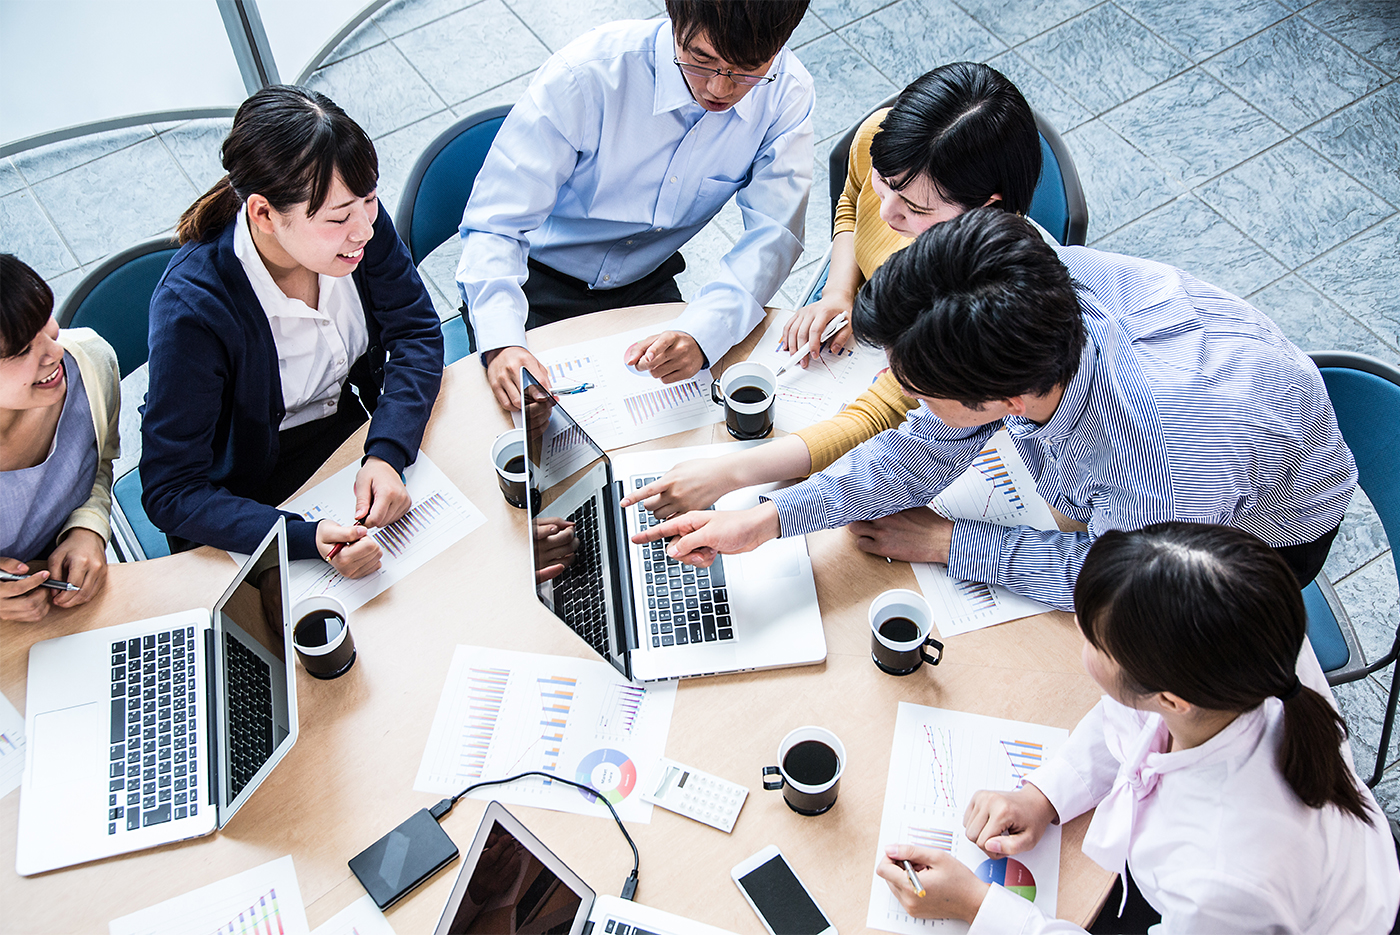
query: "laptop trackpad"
66, 745
769, 562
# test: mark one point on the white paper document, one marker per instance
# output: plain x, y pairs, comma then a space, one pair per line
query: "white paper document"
828, 384
504, 712
626, 406
997, 488
441, 515
940, 758
362, 917
11, 747
263, 901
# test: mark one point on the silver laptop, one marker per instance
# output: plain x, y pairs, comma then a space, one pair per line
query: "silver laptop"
159, 730
650, 616
511, 882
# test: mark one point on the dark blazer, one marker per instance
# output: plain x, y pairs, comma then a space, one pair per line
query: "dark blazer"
210, 424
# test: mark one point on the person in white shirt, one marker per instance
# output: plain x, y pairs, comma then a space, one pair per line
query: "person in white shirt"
628, 141
1219, 778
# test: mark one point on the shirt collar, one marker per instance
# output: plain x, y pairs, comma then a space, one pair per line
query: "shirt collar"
1073, 401
672, 93
274, 301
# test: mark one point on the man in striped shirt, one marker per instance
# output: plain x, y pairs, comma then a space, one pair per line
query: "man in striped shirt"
1135, 393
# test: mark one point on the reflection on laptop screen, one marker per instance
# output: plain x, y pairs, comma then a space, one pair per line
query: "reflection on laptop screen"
512, 891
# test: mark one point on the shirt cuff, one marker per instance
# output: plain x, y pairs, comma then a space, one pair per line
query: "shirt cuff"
388, 452
1064, 787
974, 553
1005, 913
801, 508
301, 538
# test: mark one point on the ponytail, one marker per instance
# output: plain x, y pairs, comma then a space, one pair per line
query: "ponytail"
210, 214
1213, 615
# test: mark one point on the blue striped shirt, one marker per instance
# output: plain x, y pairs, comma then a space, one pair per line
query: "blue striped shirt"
1189, 404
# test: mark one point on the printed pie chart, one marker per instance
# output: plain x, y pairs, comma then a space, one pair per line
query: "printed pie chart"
608, 771
1010, 873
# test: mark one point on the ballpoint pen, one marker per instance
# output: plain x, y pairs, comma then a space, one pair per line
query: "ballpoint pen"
914, 879
835, 325
572, 389
335, 549
50, 583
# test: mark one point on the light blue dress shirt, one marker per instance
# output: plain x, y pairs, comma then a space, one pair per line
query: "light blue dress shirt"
1189, 404
607, 166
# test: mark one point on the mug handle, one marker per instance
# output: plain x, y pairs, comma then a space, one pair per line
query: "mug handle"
932, 660
772, 784
716, 394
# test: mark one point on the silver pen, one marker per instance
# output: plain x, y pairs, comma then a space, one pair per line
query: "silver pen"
835, 325
50, 583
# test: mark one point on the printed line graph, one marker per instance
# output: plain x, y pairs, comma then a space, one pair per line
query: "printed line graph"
940, 743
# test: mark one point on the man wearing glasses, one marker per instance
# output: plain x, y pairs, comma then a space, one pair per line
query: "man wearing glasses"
627, 142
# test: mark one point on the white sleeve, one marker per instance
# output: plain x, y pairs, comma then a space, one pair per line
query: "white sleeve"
1005, 913
1082, 771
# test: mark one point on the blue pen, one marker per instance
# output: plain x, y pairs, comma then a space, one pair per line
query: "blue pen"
571, 390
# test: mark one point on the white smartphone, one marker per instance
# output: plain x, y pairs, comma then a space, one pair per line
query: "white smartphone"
782, 902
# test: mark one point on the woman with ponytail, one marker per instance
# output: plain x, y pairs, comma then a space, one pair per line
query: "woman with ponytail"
290, 286
1219, 777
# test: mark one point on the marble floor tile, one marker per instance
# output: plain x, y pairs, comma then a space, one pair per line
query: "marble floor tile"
1188, 235
405, 15
1360, 277
1359, 540
818, 226
118, 200
1120, 183
1200, 28
702, 255
399, 151
1368, 27
1364, 139
440, 269
10, 179
557, 24
379, 89
1363, 708
848, 86
1315, 323
811, 27
1046, 97
195, 146
1194, 127
459, 70
907, 38
1014, 21
62, 285
1103, 57
1387, 794
507, 93
1294, 73
1294, 203
133, 389
1372, 602
44, 162
366, 36
837, 13
27, 233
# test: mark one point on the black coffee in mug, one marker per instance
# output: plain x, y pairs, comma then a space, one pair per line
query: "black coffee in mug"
810, 762
749, 394
516, 465
899, 630
318, 628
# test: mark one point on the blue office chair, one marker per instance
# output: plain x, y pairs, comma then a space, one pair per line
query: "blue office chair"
1365, 393
115, 299
134, 537
1057, 204
430, 211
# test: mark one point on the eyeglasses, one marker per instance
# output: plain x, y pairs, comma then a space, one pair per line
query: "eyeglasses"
700, 71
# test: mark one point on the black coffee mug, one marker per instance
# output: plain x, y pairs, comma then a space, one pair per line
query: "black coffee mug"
900, 626
321, 636
812, 760
508, 457
747, 391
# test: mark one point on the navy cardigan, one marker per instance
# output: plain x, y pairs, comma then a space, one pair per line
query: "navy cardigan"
209, 430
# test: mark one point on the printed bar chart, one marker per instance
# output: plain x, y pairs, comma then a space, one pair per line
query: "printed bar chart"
556, 698
1024, 756
486, 690
644, 408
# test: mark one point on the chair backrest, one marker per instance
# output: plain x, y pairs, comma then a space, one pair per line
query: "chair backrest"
1365, 394
115, 299
1057, 204
430, 210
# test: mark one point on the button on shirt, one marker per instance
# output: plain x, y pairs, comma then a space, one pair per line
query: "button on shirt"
315, 346
1189, 404
607, 166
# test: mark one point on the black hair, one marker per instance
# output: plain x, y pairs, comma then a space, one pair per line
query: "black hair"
977, 308
968, 129
287, 144
1213, 615
26, 303
745, 33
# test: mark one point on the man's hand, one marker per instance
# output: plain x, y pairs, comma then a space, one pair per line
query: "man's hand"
705, 534
952, 891
690, 485
1003, 823
914, 535
80, 559
503, 373
23, 601
804, 329
380, 494
555, 547
669, 356
361, 554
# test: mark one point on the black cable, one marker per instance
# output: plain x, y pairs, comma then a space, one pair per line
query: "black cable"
629, 888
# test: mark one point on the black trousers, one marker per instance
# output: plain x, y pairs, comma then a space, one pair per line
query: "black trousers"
1306, 560
1138, 915
554, 296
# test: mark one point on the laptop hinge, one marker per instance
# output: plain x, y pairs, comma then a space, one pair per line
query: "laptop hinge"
587, 927
211, 717
626, 638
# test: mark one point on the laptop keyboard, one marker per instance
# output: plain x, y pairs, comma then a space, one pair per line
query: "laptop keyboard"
249, 713
154, 758
684, 604
579, 590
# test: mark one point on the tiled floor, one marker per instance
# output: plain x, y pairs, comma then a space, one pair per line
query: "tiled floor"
1255, 143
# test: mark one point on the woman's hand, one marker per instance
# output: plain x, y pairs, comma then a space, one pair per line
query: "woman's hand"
23, 601
380, 494
804, 329
690, 485
951, 890
358, 558
80, 559
1003, 823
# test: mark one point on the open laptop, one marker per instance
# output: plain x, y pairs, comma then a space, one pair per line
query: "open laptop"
650, 616
511, 883
159, 730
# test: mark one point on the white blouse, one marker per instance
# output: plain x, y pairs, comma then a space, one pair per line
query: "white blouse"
315, 346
